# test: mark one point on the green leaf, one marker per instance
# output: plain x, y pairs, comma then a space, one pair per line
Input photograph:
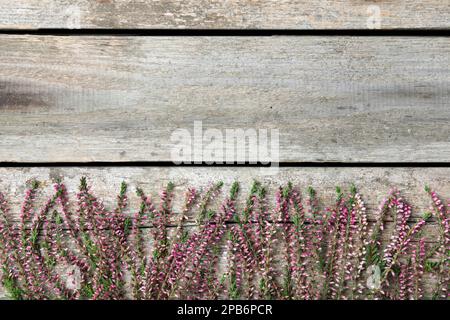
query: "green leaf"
123, 189
210, 214
33, 237
184, 237
219, 185
311, 192
296, 220
139, 192
427, 215
262, 192
255, 187
170, 187
234, 190
83, 184
353, 190
127, 225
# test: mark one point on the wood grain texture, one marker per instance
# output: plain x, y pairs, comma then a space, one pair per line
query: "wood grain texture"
373, 183
346, 99
234, 14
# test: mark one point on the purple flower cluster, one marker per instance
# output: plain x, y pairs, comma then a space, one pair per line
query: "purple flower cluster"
293, 249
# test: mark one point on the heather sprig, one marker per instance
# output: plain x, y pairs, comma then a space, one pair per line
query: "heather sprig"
442, 252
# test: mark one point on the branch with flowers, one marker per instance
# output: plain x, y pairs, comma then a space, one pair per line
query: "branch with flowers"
288, 249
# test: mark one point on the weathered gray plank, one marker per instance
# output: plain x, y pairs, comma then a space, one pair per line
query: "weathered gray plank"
345, 99
265, 14
373, 183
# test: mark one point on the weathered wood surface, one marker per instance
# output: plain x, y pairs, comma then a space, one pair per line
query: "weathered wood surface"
344, 99
234, 14
373, 183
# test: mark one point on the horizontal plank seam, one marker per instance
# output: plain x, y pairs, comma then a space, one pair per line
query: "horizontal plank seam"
171, 164
281, 223
233, 32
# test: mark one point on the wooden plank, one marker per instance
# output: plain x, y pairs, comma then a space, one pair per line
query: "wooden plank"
346, 99
236, 14
373, 183
429, 279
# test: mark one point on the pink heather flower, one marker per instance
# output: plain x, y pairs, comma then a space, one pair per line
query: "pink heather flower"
322, 253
